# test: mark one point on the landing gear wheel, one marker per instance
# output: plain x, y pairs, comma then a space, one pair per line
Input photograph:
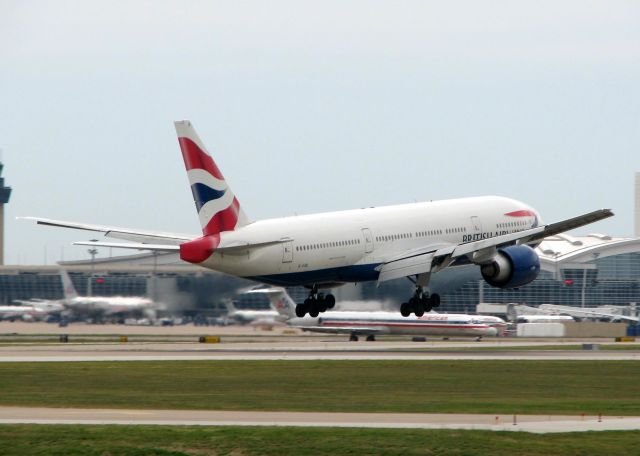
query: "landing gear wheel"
434, 300
330, 301
353, 338
371, 338
419, 311
405, 309
319, 302
301, 310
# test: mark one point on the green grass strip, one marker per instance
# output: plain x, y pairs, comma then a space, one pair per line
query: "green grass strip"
501, 387
164, 440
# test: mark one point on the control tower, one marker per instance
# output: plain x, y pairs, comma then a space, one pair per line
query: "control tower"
5, 194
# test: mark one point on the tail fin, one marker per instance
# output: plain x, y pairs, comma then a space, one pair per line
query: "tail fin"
231, 308
67, 285
282, 302
218, 208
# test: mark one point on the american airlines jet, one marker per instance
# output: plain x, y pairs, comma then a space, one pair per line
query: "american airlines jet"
322, 251
379, 322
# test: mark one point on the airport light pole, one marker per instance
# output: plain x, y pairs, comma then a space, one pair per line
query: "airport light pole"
93, 252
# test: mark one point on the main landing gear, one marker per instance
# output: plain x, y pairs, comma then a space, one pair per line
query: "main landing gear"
420, 303
315, 304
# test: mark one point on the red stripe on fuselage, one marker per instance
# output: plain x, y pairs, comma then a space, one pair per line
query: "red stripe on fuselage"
409, 325
225, 220
196, 158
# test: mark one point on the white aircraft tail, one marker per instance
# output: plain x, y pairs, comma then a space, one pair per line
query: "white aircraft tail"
231, 308
282, 302
218, 208
67, 286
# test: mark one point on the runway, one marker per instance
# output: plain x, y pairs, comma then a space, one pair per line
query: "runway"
302, 350
526, 423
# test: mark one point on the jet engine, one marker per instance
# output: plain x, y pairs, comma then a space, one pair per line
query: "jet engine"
512, 267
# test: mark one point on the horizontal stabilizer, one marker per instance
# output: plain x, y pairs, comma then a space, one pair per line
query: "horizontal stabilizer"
142, 236
129, 245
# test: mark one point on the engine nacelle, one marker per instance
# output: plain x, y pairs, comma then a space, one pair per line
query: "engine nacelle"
512, 267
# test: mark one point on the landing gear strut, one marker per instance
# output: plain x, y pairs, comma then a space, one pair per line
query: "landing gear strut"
420, 303
315, 304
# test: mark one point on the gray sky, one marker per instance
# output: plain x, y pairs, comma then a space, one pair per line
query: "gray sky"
313, 106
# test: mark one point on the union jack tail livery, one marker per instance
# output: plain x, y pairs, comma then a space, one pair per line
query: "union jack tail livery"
218, 208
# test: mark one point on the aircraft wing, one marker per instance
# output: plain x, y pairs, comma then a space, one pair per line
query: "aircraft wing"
135, 235
432, 258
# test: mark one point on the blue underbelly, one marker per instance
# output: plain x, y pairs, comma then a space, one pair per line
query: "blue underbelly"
355, 273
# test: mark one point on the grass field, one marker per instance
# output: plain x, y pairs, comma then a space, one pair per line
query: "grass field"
501, 387
163, 440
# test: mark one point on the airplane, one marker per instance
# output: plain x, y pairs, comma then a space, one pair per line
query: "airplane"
99, 306
543, 318
253, 317
17, 312
594, 313
372, 323
106, 305
325, 250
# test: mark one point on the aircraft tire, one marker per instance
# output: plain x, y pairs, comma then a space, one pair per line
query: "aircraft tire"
371, 338
301, 310
353, 338
419, 311
434, 300
330, 301
405, 309
314, 311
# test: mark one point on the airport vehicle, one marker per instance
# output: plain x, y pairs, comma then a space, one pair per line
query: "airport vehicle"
373, 323
321, 251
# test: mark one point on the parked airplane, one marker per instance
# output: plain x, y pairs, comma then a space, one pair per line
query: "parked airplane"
321, 251
373, 323
253, 317
17, 312
95, 306
543, 318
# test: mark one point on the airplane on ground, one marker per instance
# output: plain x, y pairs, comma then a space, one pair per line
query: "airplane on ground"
96, 306
253, 317
325, 250
543, 318
372, 323
17, 312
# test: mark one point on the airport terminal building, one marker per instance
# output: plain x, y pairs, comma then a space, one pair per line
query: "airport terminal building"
584, 271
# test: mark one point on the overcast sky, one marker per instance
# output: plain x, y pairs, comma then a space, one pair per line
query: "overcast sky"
313, 106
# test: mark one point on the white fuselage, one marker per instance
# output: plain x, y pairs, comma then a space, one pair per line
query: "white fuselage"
430, 324
347, 246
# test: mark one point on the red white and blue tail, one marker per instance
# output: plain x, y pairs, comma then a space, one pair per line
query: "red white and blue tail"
218, 208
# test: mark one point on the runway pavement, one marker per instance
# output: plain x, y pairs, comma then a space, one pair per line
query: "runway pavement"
526, 423
37, 342
302, 350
